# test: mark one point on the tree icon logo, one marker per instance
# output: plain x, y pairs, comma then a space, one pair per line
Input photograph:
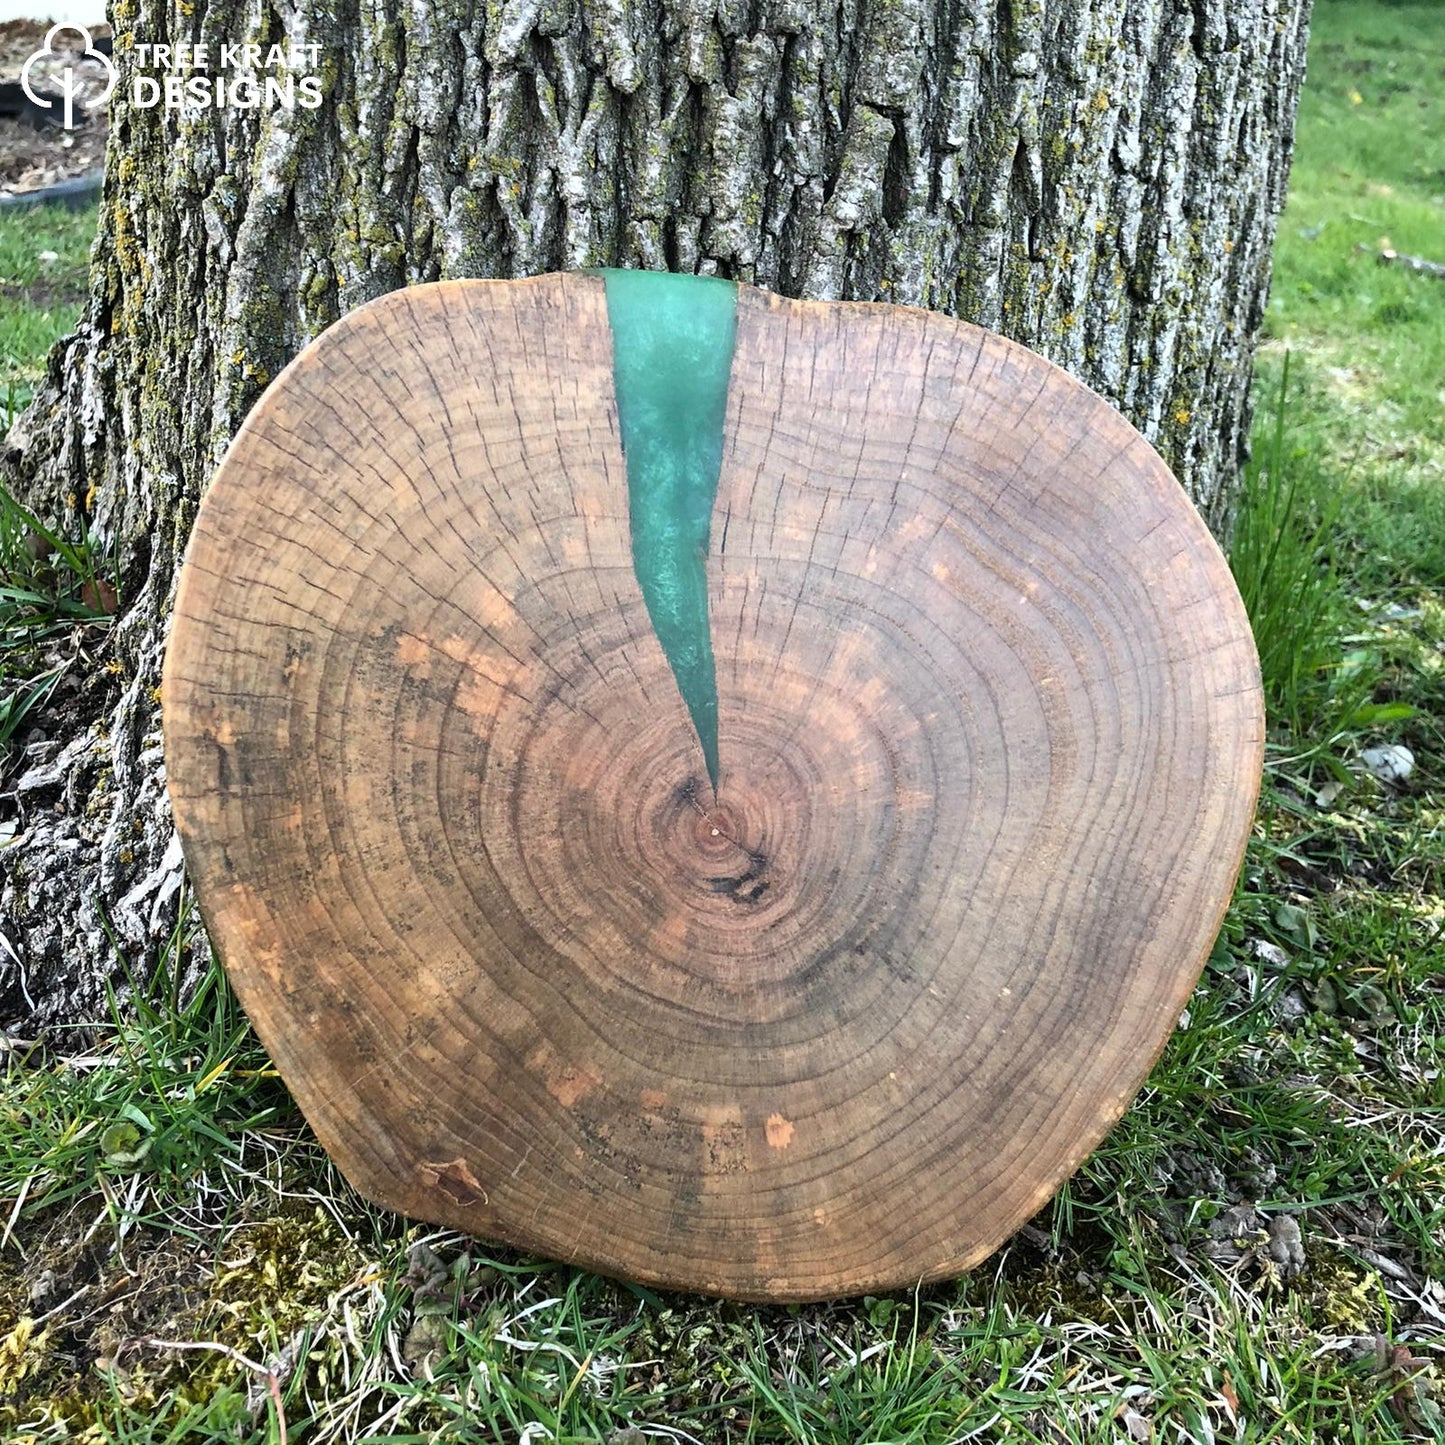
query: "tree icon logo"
67, 77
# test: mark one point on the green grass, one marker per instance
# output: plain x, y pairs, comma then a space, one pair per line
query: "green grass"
1282, 559
55, 596
44, 257
211, 1277
55, 600
1366, 338
174, 1085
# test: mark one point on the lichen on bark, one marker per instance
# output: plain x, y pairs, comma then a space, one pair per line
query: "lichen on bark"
1097, 178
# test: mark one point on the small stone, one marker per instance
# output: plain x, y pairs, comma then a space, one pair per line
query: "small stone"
44, 1287
1391, 763
1256, 1175
1290, 1005
1286, 1246
1235, 1223
1269, 954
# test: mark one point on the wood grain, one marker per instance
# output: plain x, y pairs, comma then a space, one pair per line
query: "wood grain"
990, 740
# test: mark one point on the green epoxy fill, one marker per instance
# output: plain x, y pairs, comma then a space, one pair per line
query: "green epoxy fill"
672, 354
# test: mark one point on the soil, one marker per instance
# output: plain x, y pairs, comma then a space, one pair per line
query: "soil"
35, 154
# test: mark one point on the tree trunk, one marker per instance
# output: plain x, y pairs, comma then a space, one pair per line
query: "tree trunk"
1099, 180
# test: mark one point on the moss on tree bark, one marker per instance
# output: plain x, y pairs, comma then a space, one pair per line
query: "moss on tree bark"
1097, 178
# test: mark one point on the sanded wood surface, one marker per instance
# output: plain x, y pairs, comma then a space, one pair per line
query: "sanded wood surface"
990, 735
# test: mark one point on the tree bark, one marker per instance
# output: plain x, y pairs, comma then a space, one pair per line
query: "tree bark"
1098, 180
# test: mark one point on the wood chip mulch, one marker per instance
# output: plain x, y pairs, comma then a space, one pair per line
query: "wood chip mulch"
36, 151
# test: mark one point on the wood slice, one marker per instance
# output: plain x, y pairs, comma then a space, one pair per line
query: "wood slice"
990, 738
